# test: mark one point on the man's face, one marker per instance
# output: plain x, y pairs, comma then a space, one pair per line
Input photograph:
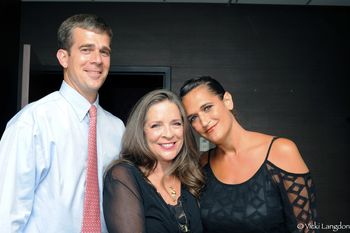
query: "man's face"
87, 62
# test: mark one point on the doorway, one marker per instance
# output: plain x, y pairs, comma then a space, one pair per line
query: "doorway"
124, 86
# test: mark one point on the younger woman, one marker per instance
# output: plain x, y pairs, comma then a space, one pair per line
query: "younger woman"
255, 182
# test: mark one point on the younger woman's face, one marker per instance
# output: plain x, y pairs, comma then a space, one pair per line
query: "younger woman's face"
209, 115
164, 130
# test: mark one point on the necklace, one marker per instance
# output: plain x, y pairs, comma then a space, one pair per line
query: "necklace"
172, 191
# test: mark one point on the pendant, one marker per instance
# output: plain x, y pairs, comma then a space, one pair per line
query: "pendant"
172, 193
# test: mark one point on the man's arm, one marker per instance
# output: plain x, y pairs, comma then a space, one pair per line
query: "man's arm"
17, 176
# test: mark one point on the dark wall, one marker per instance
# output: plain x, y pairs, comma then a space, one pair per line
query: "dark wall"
10, 31
286, 66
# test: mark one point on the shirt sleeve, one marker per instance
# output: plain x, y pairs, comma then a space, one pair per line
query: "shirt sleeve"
18, 176
122, 202
298, 196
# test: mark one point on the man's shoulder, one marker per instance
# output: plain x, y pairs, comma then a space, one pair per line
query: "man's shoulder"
43, 102
112, 118
27, 113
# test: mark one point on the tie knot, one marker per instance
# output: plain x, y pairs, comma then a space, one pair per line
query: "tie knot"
92, 111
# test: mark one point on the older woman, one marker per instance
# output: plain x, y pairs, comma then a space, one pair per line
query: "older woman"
154, 186
254, 182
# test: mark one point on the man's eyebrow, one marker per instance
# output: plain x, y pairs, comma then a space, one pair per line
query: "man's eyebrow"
106, 48
87, 45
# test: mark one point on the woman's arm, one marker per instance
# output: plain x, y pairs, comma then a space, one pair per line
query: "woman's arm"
294, 181
122, 203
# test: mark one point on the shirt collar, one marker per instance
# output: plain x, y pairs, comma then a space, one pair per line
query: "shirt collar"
79, 104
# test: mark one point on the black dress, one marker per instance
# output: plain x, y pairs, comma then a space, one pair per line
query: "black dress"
132, 205
271, 201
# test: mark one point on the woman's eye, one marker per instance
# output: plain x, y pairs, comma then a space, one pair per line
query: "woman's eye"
154, 126
178, 123
192, 119
207, 108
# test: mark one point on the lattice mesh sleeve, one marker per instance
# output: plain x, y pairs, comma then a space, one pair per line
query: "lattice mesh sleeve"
299, 199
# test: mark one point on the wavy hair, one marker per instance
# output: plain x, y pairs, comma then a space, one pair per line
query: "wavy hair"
135, 147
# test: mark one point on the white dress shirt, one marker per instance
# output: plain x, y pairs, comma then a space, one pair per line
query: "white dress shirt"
43, 162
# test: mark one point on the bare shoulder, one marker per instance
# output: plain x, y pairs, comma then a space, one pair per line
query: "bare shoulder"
204, 158
285, 154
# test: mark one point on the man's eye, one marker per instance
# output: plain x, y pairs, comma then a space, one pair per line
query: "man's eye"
85, 50
105, 53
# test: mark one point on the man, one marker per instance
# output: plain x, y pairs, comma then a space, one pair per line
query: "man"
45, 166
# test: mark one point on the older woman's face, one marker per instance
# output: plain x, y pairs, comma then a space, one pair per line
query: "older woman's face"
164, 130
209, 115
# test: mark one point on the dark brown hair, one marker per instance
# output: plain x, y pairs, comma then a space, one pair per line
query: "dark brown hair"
213, 86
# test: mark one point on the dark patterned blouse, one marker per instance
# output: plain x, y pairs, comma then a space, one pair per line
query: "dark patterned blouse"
271, 201
132, 204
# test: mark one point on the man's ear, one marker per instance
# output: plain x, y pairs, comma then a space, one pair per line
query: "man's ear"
62, 57
228, 101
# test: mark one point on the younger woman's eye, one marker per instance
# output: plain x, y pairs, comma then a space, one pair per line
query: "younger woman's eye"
192, 119
207, 108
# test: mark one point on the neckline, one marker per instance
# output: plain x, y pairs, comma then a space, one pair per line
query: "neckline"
79, 103
149, 183
161, 197
251, 177
236, 184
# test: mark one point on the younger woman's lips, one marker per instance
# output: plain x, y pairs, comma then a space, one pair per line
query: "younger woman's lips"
211, 129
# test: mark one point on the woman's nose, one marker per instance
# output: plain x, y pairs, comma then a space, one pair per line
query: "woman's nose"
204, 120
168, 132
